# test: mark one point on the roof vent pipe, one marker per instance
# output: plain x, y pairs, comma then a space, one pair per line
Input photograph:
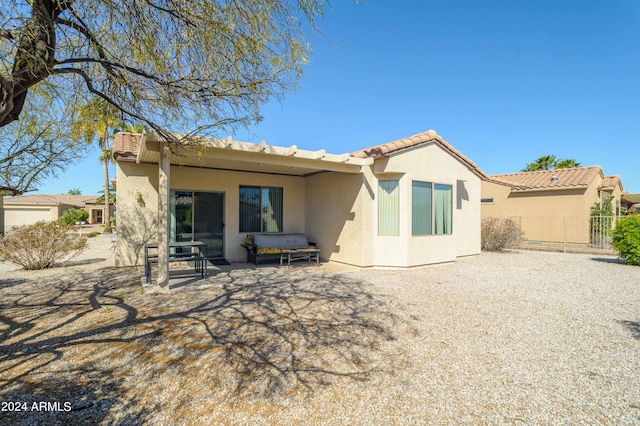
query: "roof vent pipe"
554, 178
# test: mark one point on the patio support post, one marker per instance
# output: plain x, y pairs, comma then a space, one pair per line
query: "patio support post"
164, 179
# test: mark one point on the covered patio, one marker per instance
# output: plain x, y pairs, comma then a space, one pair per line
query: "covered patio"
198, 186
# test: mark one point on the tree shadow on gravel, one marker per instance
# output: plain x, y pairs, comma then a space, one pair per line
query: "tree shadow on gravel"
633, 327
255, 333
58, 402
10, 282
43, 321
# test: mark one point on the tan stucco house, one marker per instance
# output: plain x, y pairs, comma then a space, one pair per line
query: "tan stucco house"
411, 202
32, 208
553, 205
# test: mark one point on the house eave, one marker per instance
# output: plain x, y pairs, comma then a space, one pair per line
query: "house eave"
244, 156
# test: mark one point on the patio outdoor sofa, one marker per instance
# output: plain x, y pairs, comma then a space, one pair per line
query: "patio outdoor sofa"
277, 245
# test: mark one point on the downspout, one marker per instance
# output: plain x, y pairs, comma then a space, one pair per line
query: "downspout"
164, 179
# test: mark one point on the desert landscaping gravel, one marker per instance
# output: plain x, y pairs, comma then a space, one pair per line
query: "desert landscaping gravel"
501, 338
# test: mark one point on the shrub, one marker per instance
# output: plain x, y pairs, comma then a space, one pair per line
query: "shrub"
93, 234
41, 245
500, 233
626, 239
71, 216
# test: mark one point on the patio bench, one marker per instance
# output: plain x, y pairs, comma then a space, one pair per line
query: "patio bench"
280, 246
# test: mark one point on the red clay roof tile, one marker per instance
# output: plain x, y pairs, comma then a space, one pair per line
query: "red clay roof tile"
126, 144
550, 179
424, 138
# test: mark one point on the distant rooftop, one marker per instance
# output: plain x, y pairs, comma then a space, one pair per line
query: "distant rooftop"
52, 199
577, 177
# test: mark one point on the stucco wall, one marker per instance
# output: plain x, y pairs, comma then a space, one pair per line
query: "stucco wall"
575, 202
430, 164
137, 216
18, 215
337, 219
337, 210
555, 216
229, 182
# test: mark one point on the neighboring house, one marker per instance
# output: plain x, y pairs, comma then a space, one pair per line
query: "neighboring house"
29, 209
555, 204
631, 202
415, 201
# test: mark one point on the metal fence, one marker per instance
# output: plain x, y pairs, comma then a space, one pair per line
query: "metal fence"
586, 234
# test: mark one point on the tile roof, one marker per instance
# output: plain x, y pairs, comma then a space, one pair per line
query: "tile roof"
424, 138
126, 144
611, 182
48, 199
577, 177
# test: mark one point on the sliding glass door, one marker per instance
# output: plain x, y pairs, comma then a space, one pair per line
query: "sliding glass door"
199, 216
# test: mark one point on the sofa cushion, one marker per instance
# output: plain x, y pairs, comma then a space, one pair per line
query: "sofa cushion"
269, 250
280, 240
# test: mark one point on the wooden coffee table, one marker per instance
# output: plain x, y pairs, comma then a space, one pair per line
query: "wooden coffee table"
300, 254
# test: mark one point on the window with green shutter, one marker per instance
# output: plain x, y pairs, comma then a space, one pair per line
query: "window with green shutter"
388, 208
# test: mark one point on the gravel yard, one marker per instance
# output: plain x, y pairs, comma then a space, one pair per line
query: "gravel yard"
501, 338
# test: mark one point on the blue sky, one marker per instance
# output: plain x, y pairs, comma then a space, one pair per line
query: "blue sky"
504, 81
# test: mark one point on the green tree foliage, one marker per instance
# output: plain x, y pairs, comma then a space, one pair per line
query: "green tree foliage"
550, 162
602, 221
566, 164
74, 191
41, 245
112, 194
603, 208
37, 147
97, 121
168, 64
71, 216
626, 239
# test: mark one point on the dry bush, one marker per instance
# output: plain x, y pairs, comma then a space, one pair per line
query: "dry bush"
41, 245
500, 233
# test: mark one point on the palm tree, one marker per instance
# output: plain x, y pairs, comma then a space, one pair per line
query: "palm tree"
133, 128
567, 164
112, 194
74, 191
550, 162
546, 162
99, 118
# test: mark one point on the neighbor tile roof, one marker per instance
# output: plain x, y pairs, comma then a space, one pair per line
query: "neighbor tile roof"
48, 199
611, 182
126, 144
577, 177
424, 138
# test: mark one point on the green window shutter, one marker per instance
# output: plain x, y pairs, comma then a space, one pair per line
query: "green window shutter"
421, 211
442, 208
272, 206
388, 207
